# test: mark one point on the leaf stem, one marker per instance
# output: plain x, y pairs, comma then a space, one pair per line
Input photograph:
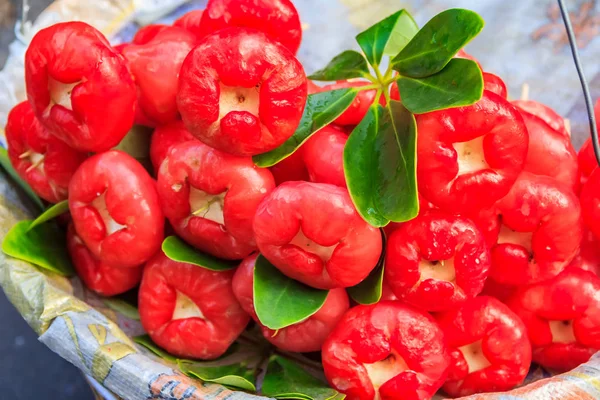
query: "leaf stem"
368, 87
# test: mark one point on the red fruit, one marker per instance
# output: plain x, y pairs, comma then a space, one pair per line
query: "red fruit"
96, 275
155, 66
42, 160
489, 347
312, 87
436, 261
191, 22
147, 33
240, 92
550, 151
588, 258
115, 209
305, 336
545, 113
463, 54
498, 290
278, 19
541, 231
469, 157
586, 160
165, 137
495, 84
562, 316
488, 223
590, 202
359, 107
386, 351
291, 168
188, 310
79, 86
324, 156
312, 233
394, 92
210, 198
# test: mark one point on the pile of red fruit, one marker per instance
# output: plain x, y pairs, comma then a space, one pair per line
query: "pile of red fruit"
499, 268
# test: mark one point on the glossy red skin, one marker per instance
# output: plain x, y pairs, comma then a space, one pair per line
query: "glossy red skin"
504, 145
495, 84
303, 337
278, 19
500, 291
194, 164
326, 215
291, 168
359, 107
165, 137
103, 103
241, 58
586, 160
590, 202
155, 66
203, 338
545, 113
463, 54
313, 87
191, 21
368, 334
324, 156
436, 236
549, 210
574, 295
131, 200
24, 133
550, 152
504, 342
588, 258
96, 275
147, 33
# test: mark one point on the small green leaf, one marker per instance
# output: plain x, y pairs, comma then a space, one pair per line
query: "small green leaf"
236, 375
52, 212
122, 307
177, 250
347, 65
287, 380
6, 164
321, 109
459, 84
395, 190
437, 42
370, 289
43, 246
145, 341
388, 36
360, 166
281, 301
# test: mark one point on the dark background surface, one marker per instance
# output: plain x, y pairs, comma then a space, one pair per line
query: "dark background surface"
28, 369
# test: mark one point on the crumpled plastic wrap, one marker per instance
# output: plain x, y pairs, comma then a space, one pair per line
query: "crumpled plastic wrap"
78, 326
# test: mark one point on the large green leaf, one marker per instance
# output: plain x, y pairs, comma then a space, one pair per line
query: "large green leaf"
287, 380
281, 301
388, 36
360, 166
347, 65
321, 109
437, 42
145, 341
235, 375
43, 246
370, 289
6, 164
52, 212
177, 250
459, 84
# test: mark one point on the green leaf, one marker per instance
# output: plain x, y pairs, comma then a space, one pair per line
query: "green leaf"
388, 36
437, 42
395, 191
347, 65
459, 84
287, 380
122, 307
137, 144
360, 166
52, 212
43, 246
6, 164
369, 290
177, 250
146, 341
321, 109
281, 301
